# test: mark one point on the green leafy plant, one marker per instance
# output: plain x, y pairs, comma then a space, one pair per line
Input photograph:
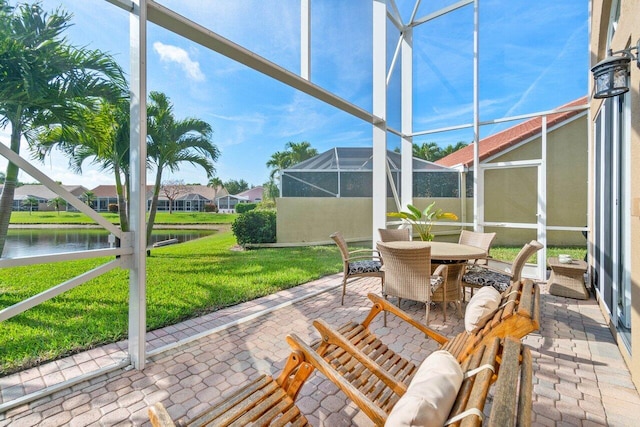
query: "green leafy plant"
422, 221
245, 207
255, 227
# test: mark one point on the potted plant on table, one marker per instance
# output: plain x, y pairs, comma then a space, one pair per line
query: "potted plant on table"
422, 221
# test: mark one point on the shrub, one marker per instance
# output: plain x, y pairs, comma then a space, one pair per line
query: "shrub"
266, 205
245, 207
113, 207
255, 227
211, 208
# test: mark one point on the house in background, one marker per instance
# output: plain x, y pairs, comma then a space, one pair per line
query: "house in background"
190, 198
227, 203
43, 195
509, 170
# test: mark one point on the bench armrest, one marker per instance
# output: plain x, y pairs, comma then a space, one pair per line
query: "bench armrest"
380, 305
377, 415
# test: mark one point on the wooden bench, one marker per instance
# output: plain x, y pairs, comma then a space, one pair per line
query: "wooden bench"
268, 401
263, 402
510, 365
518, 315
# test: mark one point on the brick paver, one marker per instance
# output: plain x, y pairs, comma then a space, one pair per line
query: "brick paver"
580, 377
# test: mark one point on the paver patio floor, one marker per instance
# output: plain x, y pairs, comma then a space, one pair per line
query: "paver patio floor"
580, 378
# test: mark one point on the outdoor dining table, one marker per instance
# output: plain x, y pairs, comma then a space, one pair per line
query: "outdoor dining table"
455, 255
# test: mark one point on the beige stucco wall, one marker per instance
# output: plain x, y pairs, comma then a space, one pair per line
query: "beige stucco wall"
515, 196
313, 219
627, 34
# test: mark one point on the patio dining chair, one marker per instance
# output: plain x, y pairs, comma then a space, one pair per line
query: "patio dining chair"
407, 273
394, 234
479, 240
479, 276
357, 263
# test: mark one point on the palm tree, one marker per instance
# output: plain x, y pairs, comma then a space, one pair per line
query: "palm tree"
30, 202
279, 160
453, 148
428, 151
43, 81
215, 183
171, 142
57, 203
295, 152
300, 151
104, 139
89, 198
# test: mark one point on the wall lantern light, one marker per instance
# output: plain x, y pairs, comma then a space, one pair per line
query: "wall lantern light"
611, 75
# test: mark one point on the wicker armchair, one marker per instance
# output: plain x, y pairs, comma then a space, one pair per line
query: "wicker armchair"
357, 263
408, 275
479, 240
479, 276
394, 234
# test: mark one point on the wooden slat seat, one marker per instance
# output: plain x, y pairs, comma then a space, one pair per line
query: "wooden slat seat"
263, 402
511, 370
518, 315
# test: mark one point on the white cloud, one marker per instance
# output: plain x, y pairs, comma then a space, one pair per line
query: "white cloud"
169, 53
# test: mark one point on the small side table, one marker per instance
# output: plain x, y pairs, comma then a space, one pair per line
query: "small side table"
567, 280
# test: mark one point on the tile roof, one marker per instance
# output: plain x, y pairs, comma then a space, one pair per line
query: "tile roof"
509, 137
40, 191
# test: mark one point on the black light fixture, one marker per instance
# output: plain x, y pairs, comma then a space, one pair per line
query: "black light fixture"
611, 75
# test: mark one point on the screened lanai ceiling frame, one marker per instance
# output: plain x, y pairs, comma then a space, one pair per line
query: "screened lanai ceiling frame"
143, 11
340, 161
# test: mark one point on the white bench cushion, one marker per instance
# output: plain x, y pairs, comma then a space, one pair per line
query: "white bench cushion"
482, 306
431, 393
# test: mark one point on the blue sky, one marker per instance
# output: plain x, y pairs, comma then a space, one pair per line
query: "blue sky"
533, 57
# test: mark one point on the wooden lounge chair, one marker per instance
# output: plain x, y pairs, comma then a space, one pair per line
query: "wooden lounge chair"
357, 263
263, 402
506, 361
517, 316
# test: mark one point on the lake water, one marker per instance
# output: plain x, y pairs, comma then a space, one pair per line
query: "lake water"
39, 241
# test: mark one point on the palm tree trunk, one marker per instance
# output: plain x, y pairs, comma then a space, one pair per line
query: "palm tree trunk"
122, 208
9, 189
154, 205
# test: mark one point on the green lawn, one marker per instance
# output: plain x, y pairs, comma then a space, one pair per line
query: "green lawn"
508, 253
183, 281
80, 218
